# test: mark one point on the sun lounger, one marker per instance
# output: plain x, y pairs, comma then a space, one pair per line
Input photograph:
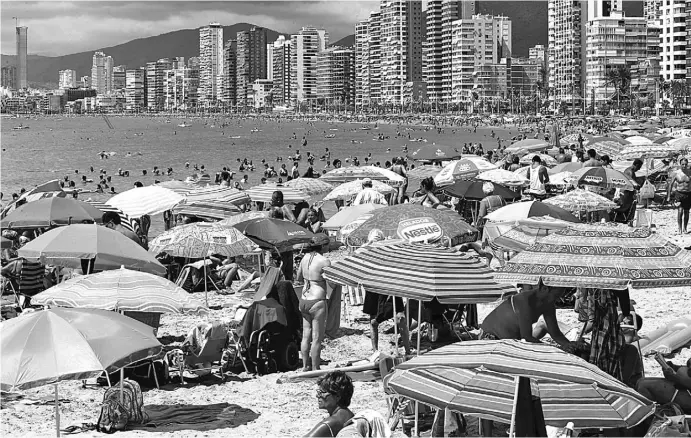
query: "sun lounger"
202, 350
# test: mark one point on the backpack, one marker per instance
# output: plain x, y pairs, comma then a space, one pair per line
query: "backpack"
116, 415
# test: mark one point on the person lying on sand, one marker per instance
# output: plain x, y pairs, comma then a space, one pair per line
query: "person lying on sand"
675, 387
334, 392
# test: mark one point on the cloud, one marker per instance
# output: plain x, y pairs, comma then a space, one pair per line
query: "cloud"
59, 28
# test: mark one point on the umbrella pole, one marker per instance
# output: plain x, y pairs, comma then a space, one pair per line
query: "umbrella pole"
395, 326
206, 289
512, 431
122, 389
57, 411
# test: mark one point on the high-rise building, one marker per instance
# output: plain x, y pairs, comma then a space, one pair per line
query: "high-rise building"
651, 9
613, 42
688, 50
270, 61
451, 11
280, 70
135, 89
9, 77
156, 83
119, 78
305, 45
673, 40
336, 76
67, 79
251, 62
193, 62
603, 8
368, 61
537, 52
566, 55
210, 63
477, 43
180, 88
432, 51
230, 56
22, 45
402, 30
102, 73
84, 82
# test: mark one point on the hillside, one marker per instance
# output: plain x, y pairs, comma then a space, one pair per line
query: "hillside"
133, 54
346, 41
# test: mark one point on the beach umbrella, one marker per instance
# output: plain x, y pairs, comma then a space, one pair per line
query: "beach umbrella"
607, 147
479, 378
503, 177
242, 217
615, 138
217, 194
573, 139
51, 212
630, 134
419, 271
121, 290
108, 249
424, 171
345, 174
49, 189
125, 220
565, 167
278, 233
348, 215
639, 140
352, 188
141, 201
180, 187
215, 210
519, 234
54, 345
663, 139
647, 151
609, 256
472, 190
546, 159
527, 145
415, 223
468, 167
200, 240
580, 200
310, 186
434, 152
650, 166
524, 210
680, 144
603, 177
561, 179
264, 192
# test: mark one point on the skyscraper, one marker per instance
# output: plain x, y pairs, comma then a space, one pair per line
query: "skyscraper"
567, 21
432, 51
281, 71
102, 73
9, 77
67, 79
180, 87
21, 33
119, 78
251, 61
336, 76
673, 40
305, 45
651, 9
230, 72
135, 89
156, 81
210, 63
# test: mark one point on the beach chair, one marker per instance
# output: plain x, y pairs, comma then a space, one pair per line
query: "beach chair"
185, 278
201, 351
626, 217
400, 409
353, 296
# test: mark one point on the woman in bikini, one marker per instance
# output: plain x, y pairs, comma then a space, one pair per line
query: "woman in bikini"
334, 392
313, 307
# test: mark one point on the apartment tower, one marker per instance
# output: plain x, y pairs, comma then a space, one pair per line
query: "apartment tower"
22, 45
230, 64
210, 64
102, 73
673, 39
305, 45
67, 79
567, 21
251, 62
367, 61
336, 76
280, 70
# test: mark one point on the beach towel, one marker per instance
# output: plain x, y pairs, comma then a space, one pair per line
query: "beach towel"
284, 293
607, 339
367, 423
165, 418
31, 278
270, 278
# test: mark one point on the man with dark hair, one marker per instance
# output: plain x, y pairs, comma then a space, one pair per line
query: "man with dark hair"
277, 202
682, 183
592, 159
537, 174
112, 220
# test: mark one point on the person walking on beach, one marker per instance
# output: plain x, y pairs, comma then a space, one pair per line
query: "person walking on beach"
682, 183
399, 169
537, 174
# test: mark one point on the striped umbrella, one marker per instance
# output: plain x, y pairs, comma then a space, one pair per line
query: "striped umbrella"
424, 171
647, 151
264, 192
348, 215
310, 186
505, 177
580, 200
414, 222
179, 187
350, 189
121, 290
547, 159
527, 145
49, 189
518, 235
524, 210
125, 220
468, 167
680, 144
243, 217
573, 139
603, 177
421, 272
611, 256
477, 378
565, 167
208, 209
434, 152
140, 201
345, 174
217, 194
198, 240
639, 140
51, 212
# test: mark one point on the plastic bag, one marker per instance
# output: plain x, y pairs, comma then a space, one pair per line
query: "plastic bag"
648, 190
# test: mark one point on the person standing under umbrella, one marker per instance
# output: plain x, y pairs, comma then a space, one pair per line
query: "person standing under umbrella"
368, 195
112, 220
277, 203
399, 168
537, 174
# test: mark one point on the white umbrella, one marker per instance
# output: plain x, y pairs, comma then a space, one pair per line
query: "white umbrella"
352, 188
502, 176
141, 201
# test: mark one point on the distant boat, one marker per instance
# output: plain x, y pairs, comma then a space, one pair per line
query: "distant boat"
330, 136
17, 128
365, 128
333, 129
255, 130
236, 136
182, 125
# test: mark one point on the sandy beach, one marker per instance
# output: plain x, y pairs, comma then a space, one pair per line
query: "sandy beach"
289, 408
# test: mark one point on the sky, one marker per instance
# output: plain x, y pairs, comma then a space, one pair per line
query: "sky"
64, 27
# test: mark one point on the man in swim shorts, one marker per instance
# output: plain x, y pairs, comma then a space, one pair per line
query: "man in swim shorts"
682, 183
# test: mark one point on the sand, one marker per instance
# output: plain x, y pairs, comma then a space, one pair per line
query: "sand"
290, 409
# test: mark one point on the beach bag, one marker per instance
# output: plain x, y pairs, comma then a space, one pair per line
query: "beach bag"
647, 191
669, 421
116, 415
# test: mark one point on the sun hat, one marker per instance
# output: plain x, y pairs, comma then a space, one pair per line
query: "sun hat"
487, 188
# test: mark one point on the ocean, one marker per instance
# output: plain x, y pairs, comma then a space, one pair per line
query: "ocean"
55, 147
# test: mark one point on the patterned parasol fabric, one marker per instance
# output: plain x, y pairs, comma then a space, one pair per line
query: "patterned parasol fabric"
647, 151
573, 139
608, 147
547, 159
580, 200
310, 186
198, 240
242, 217
415, 223
638, 140
611, 256
505, 177
524, 210
467, 167
434, 152
424, 171
350, 189
477, 378
518, 235
264, 192
603, 177
121, 290
217, 194
419, 271
345, 174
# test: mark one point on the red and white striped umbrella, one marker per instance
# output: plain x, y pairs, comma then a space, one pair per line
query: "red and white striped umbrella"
419, 271
264, 192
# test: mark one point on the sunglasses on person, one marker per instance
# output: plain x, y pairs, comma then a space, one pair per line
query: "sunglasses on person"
323, 394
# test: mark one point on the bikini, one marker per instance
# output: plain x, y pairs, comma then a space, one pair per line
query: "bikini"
306, 305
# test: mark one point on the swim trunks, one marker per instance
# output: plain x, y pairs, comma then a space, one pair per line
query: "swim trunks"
684, 199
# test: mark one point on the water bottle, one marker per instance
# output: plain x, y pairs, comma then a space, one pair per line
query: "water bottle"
568, 431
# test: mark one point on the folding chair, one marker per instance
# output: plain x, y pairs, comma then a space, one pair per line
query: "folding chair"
205, 343
236, 344
354, 296
626, 217
185, 278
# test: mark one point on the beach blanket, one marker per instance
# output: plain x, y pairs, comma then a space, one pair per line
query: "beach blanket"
166, 418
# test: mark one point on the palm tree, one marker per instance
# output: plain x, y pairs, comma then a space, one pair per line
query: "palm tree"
620, 78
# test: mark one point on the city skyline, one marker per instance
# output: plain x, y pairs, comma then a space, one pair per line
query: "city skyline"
104, 24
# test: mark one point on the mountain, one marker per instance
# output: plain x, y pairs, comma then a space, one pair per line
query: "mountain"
43, 70
347, 41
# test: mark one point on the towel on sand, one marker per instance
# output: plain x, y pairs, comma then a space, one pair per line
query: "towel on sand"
166, 418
